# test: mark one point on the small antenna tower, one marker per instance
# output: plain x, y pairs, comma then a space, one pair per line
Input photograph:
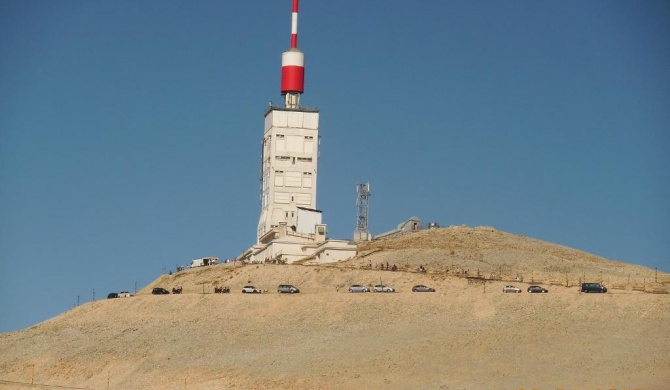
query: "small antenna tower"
362, 233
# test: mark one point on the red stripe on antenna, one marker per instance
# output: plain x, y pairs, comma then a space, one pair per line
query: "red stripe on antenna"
294, 41
295, 5
292, 79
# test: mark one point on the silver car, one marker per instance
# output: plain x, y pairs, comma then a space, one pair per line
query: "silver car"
287, 288
251, 290
511, 289
358, 288
382, 288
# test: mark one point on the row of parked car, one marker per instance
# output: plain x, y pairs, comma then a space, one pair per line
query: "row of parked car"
359, 288
122, 294
291, 289
531, 289
585, 288
282, 288
382, 288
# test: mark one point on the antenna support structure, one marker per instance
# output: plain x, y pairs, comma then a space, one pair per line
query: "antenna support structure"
362, 233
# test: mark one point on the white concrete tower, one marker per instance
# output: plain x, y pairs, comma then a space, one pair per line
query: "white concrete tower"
290, 153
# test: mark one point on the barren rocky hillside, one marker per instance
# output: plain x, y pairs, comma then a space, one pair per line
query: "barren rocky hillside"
466, 335
489, 251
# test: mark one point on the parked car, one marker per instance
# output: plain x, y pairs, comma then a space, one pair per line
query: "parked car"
159, 291
593, 287
422, 288
511, 289
382, 288
287, 288
112, 295
251, 290
537, 289
358, 288
124, 294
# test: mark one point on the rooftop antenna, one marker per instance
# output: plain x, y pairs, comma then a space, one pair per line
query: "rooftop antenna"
362, 233
293, 66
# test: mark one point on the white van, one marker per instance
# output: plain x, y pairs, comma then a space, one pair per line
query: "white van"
203, 262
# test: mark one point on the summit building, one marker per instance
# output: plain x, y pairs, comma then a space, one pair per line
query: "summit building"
290, 227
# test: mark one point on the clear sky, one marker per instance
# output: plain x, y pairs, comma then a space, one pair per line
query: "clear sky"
130, 131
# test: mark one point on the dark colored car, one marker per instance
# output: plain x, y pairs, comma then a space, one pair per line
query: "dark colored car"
537, 289
112, 295
593, 287
159, 291
422, 288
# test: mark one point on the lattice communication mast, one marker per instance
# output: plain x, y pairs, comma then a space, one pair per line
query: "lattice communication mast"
362, 233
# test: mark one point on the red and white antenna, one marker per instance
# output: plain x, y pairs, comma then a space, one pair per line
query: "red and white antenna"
293, 66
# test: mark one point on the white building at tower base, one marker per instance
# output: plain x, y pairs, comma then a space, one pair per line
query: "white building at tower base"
283, 245
290, 228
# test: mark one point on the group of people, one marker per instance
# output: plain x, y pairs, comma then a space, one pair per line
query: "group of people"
268, 261
383, 267
465, 272
275, 261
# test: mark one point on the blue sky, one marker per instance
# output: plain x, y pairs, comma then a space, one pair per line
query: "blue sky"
130, 131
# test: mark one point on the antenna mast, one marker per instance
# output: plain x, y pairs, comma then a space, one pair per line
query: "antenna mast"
293, 66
